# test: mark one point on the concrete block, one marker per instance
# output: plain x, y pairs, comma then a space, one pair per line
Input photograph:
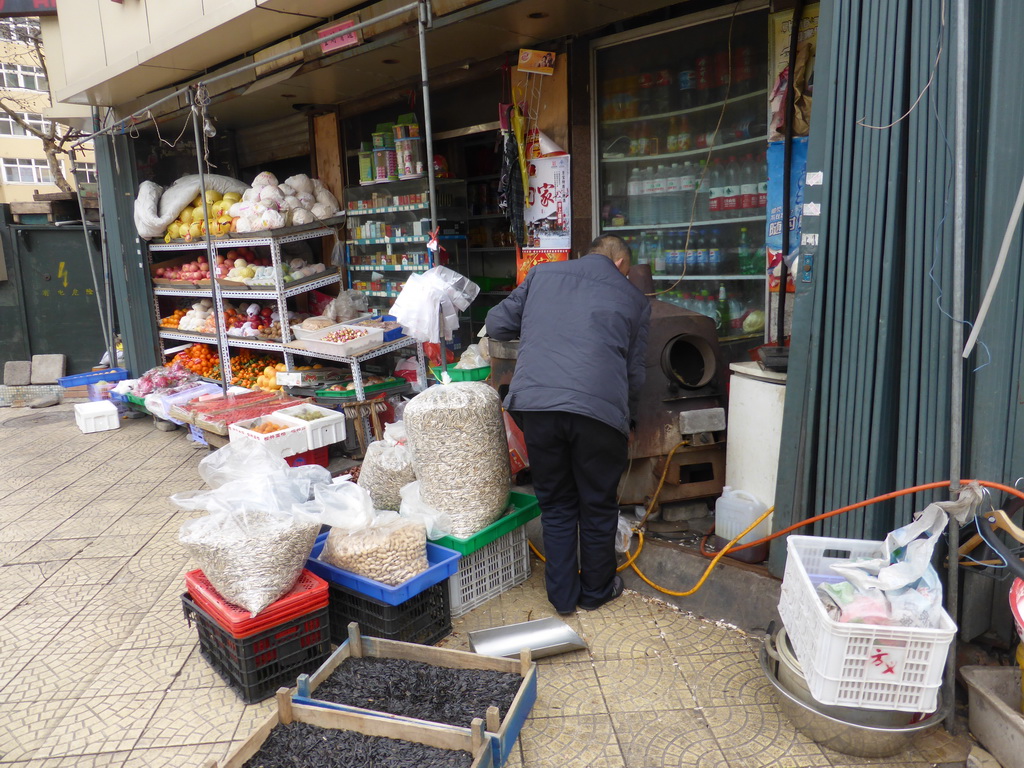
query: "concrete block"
44, 401
17, 373
46, 369
703, 420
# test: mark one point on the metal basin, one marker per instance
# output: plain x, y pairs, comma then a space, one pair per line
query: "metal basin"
790, 675
848, 738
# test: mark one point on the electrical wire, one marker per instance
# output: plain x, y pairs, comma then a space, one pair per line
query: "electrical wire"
730, 547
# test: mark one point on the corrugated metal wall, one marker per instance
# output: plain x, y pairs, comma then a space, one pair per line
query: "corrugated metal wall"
867, 406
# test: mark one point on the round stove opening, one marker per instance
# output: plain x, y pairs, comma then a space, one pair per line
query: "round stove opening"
689, 360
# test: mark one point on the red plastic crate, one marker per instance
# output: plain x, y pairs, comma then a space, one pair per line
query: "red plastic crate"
315, 456
308, 594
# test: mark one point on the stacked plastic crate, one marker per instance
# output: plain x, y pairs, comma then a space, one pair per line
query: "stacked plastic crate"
416, 611
256, 655
493, 560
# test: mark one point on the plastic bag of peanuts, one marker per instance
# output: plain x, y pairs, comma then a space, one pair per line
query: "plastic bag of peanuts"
378, 545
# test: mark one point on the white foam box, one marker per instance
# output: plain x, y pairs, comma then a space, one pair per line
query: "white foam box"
284, 442
327, 430
97, 416
368, 339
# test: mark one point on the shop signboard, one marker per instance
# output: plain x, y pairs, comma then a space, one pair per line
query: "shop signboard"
10, 8
527, 258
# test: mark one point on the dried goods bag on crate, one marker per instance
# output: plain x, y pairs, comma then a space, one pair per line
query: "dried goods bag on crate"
246, 475
251, 556
460, 453
900, 587
387, 467
378, 545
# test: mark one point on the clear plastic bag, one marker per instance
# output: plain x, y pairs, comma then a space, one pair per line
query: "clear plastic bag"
251, 557
623, 535
347, 306
472, 358
387, 467
436, 523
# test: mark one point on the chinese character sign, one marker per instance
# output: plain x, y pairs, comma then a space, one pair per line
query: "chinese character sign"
773, 234
548, 207
527, 258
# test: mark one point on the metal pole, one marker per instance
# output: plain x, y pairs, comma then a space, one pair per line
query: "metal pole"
428, 128
956, 389
105, 328
211, 255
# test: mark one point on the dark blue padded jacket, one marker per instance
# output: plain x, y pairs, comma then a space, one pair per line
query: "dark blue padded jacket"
583, 336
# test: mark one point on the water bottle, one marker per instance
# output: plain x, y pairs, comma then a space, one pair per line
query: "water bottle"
748, 187
707, 304
714, 253
744, 254
687, 188
657, 196
702, 193
731, 190
673, 195
762, 185
634, 189
736, 312
646, 196
702, 254
657, 255
642, 257
716, 209
736, 510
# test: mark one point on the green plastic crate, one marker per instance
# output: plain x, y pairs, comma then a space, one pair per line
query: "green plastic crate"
394, 383
459, 374
526, 508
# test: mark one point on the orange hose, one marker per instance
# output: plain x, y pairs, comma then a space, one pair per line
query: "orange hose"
884, 497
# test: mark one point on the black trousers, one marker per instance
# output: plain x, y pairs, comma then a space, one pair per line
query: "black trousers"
576, 463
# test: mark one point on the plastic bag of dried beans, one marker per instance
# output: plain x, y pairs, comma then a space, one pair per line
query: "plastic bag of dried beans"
460, 453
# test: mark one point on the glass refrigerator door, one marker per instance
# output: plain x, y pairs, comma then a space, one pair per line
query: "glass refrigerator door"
681, 123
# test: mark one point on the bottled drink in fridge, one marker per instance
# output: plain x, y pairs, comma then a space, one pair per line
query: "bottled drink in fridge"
722, 75
642, 253
634, 190
646, 93
684, 139
716, 202
656, 254
742, 69
715, 258
674, 195
748, 187
662, 101
687, 84
731, 189
647, 196
702, 192
674, 262
702, 253
672, 140
723, 315
707, 304
658, 196
736, 312
687, 189
690, 253
704, 67
762, 184
744, 253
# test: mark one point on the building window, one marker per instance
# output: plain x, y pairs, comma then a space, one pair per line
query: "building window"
10, 127
19, 171
19, 30
18, 76
85, 173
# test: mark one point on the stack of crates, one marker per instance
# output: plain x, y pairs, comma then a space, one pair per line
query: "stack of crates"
415, 611
256, 655
493, 560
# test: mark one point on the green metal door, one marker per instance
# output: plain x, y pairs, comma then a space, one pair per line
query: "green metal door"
61, 311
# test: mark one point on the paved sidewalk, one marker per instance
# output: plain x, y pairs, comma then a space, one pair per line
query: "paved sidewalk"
98, 668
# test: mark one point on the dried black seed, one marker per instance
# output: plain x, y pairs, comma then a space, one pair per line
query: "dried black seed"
423, 691
299, 745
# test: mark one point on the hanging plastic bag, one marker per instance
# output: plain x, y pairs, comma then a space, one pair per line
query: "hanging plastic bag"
517, 457
898, 588
435, 522
623, 534
252, 557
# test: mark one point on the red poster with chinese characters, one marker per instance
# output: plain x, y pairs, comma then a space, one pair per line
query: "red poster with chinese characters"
548, 214
526, 258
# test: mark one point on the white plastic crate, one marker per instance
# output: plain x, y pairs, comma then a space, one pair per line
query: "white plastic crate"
489, 571
327, 430
373, 337
97, 417
857, 665
284, 442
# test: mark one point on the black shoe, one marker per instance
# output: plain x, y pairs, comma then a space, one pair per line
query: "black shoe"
566, 613
617, 586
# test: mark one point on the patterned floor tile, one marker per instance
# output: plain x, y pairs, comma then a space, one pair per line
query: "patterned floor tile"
11, 512
161, 628
193, 717
27, 727
614, 632
100, 628
55, 676
101, 724
10, 550
138, 670
759, 736
26, 529
253, 716
101, 760
679, 738
587, 741
116, 546
50, 550
191, 756
197, 674
725, 680
643, 685
568, 690
96, 571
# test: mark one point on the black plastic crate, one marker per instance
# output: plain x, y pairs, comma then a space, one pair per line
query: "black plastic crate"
256, 666
424, 618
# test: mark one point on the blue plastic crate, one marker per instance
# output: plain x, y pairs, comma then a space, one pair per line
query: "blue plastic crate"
80, 379
442, 564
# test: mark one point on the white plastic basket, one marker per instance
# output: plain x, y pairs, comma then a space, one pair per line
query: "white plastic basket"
489, 571
857, 665
327, 430
284, 442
